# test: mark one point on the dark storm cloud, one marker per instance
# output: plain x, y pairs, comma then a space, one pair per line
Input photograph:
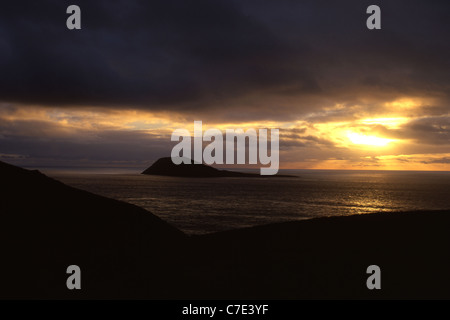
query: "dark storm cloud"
442, 160
139, 53
429, 130
251, 56
296, 137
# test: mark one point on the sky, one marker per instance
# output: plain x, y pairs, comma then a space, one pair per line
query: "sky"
111, 94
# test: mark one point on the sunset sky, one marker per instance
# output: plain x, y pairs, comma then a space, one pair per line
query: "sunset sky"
111, 94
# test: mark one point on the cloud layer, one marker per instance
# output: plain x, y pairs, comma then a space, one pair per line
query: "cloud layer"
206, 55
311, 68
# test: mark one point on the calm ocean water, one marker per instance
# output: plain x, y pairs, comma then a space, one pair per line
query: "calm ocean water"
203, 205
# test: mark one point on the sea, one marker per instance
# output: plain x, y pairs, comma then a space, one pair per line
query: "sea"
205, 205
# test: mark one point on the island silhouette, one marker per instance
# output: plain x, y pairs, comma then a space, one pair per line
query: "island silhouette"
166, 167
126, 252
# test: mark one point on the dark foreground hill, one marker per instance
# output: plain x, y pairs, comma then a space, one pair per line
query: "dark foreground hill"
327, 258
165, 167
126, 252
45, 226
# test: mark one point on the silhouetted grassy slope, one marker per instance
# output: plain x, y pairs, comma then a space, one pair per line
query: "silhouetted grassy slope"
328, 258
47, 226
126, 252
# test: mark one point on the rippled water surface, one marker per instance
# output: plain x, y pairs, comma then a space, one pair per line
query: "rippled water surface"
202, 205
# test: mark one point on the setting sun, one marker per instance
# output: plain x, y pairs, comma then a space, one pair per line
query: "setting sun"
358, 138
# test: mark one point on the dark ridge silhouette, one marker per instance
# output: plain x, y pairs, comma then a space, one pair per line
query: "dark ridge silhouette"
165, 167
47, 226
126, 252
327, 258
